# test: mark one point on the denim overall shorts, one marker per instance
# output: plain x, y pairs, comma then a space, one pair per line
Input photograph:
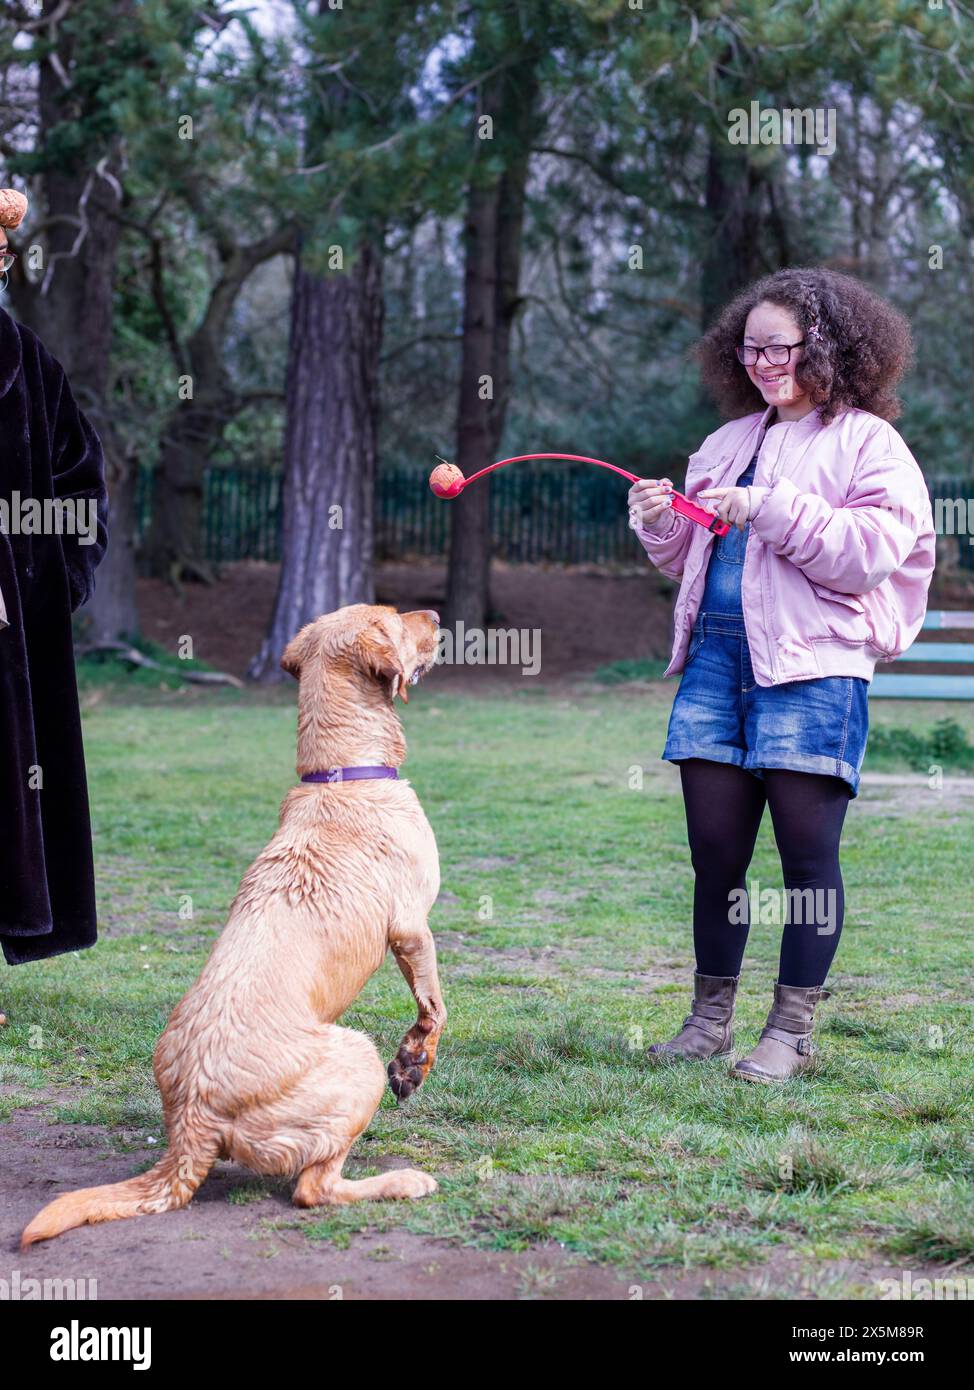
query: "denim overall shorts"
720, 712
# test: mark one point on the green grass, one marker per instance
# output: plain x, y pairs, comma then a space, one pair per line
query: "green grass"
564, 950
108, 671
619, 672
945, 744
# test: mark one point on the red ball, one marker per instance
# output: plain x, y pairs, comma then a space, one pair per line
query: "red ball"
446, 480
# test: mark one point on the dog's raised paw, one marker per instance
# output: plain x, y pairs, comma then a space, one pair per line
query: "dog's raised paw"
406, 1071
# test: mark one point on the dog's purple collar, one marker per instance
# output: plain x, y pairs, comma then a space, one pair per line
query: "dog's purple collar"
349, 774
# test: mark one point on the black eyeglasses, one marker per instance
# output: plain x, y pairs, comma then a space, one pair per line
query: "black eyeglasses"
7, 259
776, 353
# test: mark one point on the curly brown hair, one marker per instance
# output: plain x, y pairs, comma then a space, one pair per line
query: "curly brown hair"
857, 346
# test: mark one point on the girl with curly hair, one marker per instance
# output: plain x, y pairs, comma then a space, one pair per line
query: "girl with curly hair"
778, 625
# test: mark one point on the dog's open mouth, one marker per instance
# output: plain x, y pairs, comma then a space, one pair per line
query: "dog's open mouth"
418, 672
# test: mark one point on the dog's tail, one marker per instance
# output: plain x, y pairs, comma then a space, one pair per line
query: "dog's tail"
166, 1187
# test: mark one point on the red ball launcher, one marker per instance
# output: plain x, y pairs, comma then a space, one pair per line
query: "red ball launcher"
447, 481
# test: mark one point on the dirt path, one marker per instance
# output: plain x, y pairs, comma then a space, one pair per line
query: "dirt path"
588, 616
218, 1248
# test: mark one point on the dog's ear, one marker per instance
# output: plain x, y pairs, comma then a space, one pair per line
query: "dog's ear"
297, 651
379, 651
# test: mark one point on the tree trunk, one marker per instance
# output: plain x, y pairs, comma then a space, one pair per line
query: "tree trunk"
330, 450
469, 564
882, 185
74, 320
493, 238
735, 192
174, 544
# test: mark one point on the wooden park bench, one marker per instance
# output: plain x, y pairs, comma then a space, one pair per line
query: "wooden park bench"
945, 687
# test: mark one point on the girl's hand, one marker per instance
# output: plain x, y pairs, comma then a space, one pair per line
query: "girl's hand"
731, 504
650, 503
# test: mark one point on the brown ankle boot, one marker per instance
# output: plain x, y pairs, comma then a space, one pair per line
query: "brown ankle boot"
707, 1030
785, 1046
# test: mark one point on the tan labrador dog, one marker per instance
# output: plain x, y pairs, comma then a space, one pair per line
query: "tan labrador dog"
252, 1065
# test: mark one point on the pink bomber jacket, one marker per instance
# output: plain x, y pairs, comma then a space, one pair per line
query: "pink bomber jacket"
840, 552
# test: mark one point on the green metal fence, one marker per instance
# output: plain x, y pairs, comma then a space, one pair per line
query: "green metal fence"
567, 514
957, 524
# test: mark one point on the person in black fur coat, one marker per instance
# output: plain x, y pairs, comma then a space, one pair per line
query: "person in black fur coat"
49, 451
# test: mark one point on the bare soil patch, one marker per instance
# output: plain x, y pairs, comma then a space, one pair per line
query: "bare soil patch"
228, 1249
588, 616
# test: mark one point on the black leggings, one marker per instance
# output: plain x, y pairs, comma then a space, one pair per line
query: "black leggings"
724, 806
